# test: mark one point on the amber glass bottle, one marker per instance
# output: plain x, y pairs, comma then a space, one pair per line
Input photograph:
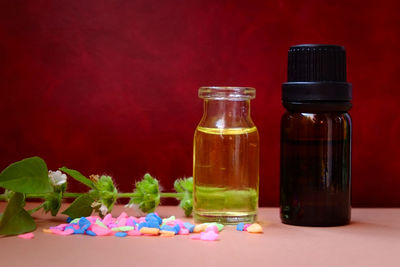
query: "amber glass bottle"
315, 185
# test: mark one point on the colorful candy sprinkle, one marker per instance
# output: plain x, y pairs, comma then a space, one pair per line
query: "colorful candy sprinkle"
150, 225
240, 226
213, 228
149, 231
121, 234
100, 231
91, 233
209, 236
164, 233
134, 233
206, 236
65, 232
189, 226
167, 227
184, 231
27, 236
122, 228
245, 226
199, 228
255, 228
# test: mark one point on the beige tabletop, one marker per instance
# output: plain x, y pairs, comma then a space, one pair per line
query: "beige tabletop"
372, 239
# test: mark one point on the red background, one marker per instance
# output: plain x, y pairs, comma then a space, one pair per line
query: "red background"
111, 86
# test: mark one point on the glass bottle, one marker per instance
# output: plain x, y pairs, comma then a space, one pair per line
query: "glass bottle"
315, 185
226, 157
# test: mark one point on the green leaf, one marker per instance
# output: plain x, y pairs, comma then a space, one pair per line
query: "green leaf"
77, 176
26, 176
81, 207
15, 219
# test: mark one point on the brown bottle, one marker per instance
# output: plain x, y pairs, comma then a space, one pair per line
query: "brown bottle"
315, 185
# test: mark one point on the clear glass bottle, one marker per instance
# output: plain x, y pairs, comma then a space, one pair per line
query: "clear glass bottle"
226, 157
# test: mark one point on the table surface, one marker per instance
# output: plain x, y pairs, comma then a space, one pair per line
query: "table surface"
372, 239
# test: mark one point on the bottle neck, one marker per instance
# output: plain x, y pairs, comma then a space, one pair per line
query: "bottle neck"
226, 114
317, 106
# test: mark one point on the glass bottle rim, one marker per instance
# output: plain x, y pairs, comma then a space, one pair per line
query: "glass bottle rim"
227, 93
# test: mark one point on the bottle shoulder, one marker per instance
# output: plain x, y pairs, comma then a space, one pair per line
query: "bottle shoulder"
221, 122
304, 125
316, 118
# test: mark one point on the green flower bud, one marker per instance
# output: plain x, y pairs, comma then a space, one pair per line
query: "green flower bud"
147, 194
187, 206
104, 192
53, 200
185, 188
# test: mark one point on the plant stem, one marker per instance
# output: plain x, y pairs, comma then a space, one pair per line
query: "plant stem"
66, 195
72, 195
36, 209
35, 195
175, 195
126, 195
75, 195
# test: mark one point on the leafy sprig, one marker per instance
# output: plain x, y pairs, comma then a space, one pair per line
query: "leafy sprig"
185, 187
147, 194
29, 178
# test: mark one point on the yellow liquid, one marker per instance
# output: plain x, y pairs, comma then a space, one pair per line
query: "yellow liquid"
226, 174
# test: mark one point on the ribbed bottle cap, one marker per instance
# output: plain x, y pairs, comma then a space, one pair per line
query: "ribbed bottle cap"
316, 73
312, 63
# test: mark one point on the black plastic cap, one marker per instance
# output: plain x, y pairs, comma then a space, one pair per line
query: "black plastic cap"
316, 73
313, 63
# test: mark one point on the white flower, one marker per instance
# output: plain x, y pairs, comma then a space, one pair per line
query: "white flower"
103, 209
129, 206
57, 178
95, 204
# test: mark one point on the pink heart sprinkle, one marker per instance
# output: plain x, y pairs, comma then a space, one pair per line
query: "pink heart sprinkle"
245, 226
59, 232
122, 215
195, 237
134, 233
27, 236
209, 236
183, 231
129, 222
121, 222
180, 222
212, 228
57, 228
101, 231
134, 219
107, 219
